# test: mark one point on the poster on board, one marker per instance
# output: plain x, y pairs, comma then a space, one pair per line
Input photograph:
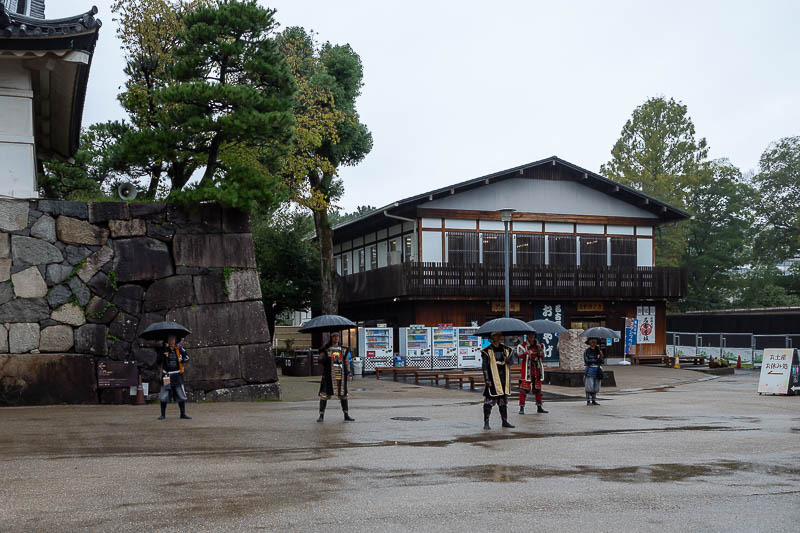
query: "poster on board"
779, 372
646, 317
554, 312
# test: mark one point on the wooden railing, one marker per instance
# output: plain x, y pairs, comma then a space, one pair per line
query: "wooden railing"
437, 280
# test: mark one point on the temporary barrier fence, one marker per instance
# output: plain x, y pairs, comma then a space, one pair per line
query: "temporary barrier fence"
731, 346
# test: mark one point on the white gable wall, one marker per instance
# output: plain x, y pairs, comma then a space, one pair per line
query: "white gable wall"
540, 196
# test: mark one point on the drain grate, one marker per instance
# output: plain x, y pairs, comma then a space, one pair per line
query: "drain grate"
410, 418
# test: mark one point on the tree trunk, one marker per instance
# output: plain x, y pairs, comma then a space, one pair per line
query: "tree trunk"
330, 293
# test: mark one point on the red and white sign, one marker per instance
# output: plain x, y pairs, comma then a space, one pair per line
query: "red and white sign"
646, 316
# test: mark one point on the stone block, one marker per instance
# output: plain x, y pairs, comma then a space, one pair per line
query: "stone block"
144, 356
243, 285
13, 215
30, 251
81, 292
127, 228
235, 221
6, 292
141, 258
145, 319
58, 296
57, 273
162, 231
3, 340
56, 339
258, 363
75, 254
90, 339
73, 231
5, 269
210, 288
129, 298
216, 363
148, 210
70, 209
29, 283
204, 218
44, 228
101, 285
105, 211
223, 324
95, 262
168, 293
5, 245
100, 311
23, 337
24, 310
42, 379
124, 327
570, 350
119, 350
214, 250
69, 314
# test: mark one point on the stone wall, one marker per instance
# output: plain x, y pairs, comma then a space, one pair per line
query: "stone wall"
85, 279
570, 350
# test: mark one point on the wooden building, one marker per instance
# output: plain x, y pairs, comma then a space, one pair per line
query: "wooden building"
581, 250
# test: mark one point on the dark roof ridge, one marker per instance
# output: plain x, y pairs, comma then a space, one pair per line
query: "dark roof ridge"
13, 25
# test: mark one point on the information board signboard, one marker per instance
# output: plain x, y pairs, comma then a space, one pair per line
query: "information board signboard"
646, 316
116, 374
777, 368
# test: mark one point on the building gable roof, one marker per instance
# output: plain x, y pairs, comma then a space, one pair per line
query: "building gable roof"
664, 213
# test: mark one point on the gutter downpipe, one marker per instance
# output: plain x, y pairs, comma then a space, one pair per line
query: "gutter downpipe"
404, 219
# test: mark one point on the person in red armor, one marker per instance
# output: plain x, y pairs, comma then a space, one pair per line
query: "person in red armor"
531, 357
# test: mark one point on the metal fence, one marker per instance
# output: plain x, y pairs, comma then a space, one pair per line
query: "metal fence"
730, 346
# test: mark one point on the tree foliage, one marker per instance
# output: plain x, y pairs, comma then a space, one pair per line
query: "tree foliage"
338, 217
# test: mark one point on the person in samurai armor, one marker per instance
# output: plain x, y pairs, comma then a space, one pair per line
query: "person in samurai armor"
335, 373
497, 374
172, 359
531, 358
593, 375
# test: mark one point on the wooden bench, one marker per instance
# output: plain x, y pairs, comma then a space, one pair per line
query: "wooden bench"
458, 377
430, 375
641, 359
395, 371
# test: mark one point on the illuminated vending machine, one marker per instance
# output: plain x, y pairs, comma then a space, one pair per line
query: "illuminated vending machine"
445, 353
376, 346
469, 348
415, 346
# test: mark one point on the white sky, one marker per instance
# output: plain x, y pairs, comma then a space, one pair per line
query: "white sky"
455, 90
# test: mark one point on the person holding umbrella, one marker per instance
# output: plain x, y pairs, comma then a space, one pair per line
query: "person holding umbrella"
172, 358
593, 375
497, 375
531, 356
335, 374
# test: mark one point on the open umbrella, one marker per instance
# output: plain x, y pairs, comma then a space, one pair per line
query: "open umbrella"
506, 326
162, 330
326, 324
547, 326
600, 333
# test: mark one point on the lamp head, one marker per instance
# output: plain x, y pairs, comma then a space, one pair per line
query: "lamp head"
505, 214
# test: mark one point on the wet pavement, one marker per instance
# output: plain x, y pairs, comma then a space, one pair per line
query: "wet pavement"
663, 452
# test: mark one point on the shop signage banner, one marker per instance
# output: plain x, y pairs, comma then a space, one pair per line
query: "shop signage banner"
631, 328
646, 315
554, 312
778, 368
590, 307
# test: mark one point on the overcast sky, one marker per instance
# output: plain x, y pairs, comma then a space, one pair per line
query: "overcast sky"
455, 90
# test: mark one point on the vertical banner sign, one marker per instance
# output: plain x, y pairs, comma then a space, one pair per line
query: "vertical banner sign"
646, 316
779, 372
631, 328
549, 311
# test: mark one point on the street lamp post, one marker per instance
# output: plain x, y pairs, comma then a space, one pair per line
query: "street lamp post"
505, 216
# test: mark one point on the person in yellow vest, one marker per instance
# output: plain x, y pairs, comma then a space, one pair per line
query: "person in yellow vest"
172, 360
497, 374
335, 374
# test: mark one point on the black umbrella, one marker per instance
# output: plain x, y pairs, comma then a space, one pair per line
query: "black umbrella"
326, 323
547, 326
162, 330
600, 333
506, 326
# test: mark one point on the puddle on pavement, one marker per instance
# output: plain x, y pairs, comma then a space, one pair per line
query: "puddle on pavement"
410, 418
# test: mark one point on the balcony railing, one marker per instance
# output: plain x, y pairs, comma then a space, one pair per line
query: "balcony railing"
437, 280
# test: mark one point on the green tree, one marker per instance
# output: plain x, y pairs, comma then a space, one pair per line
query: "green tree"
766, 286
658, 154
288, 261
778, 183
329, 135
718, 237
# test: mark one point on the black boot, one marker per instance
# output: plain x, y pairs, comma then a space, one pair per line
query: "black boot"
322, 405
539, 408
182, 407
347, 417
487, 410
594, 399
522, 409
504, 415
588, 398
163, 411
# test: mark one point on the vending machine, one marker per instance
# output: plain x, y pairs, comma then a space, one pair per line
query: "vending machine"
415, 346
445, 350
376, 347
469, 348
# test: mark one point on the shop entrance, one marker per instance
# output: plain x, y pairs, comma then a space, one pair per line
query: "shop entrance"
586, 322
